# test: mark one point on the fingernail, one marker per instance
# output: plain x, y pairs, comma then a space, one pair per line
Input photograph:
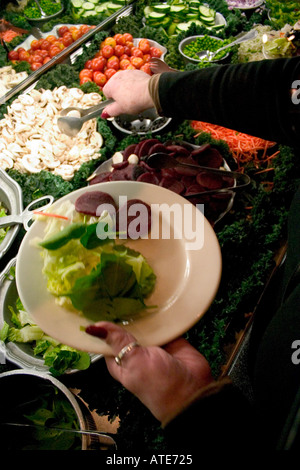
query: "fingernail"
95, 330
105, 115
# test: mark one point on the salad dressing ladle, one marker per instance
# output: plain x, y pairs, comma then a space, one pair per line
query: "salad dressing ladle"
71, 125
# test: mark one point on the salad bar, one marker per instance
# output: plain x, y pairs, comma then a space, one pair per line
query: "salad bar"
56, 56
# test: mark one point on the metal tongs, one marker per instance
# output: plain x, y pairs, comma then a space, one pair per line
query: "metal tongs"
26, 216
161, 160
71, 125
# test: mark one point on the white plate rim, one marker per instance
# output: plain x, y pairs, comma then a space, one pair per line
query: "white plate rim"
155, 329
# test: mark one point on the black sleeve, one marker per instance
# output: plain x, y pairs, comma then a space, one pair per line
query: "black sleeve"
221, 421
254, 98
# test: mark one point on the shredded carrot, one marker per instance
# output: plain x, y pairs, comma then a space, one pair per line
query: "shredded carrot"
8, 35
49, 214
244, 147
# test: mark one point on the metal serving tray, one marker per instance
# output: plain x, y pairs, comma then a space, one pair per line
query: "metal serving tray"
12, 198
18, 353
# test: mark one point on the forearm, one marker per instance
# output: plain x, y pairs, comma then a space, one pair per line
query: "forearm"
253, 98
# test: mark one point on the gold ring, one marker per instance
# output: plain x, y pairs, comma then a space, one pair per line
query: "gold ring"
124, 351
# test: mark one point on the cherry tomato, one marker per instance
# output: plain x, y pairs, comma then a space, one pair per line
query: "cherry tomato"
85, 79
155, 52
76, 34
35, 44
144, 46
99, 78
119, 50
98, 64
129, 44
136, 52
124, 64
67, 39
88, 64
113, 63
147, 58
46, 60
36, 65
120, 40
86, 73
51, 38
43, 53
84, 28
110, 42
54, 51
62, 30
124, 56
109, 73
127, 50
37, 58
136, 61
128, 37
45, 45
146, 68
58, 44
24, 55
14, 55
20, 49
107, 51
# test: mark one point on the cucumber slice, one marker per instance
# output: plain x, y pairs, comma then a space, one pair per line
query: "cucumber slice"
93, 1
156, 16
101, 8
77, 3
113, 7
147, 11
161, 8
88, 6
205, 11
183, 27
174, 9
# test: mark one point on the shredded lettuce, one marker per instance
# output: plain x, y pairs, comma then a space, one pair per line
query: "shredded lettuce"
95, 277
57, 357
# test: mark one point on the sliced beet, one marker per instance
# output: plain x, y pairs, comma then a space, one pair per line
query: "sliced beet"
198, 151
178, 150
120, 165
89, 202
169, 172
172, 184
210, 158
146, 146
137, 171
157, 148
124, 174
101, 178
149, 177
129, 151
194, 189
136, 225
209, 180
188, 180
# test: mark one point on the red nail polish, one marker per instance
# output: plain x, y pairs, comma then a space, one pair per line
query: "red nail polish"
105, 115
98, 331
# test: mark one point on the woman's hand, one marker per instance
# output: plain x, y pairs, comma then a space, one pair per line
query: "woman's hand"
163, 379
129, 89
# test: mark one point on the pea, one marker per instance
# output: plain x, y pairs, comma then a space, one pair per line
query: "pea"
205, 43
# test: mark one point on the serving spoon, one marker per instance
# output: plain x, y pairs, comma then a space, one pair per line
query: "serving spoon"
162, 160
209, 55
71, 125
